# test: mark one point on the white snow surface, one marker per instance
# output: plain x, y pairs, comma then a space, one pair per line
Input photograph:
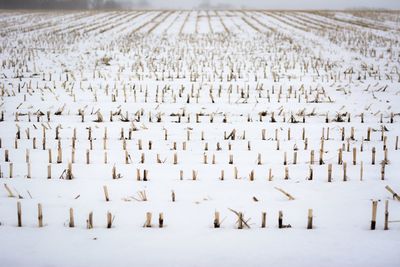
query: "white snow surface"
231, 66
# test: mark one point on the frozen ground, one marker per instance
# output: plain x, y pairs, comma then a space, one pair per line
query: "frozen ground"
184, 80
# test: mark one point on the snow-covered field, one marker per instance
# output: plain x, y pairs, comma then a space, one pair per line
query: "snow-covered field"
193, 115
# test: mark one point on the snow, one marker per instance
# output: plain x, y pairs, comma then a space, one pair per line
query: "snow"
150, 62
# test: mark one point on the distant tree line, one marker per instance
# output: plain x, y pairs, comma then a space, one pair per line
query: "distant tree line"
68, 4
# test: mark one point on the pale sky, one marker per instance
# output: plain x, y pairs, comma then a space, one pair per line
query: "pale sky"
277, 4
192, 4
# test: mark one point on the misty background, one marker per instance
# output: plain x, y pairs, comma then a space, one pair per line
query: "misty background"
200, 4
